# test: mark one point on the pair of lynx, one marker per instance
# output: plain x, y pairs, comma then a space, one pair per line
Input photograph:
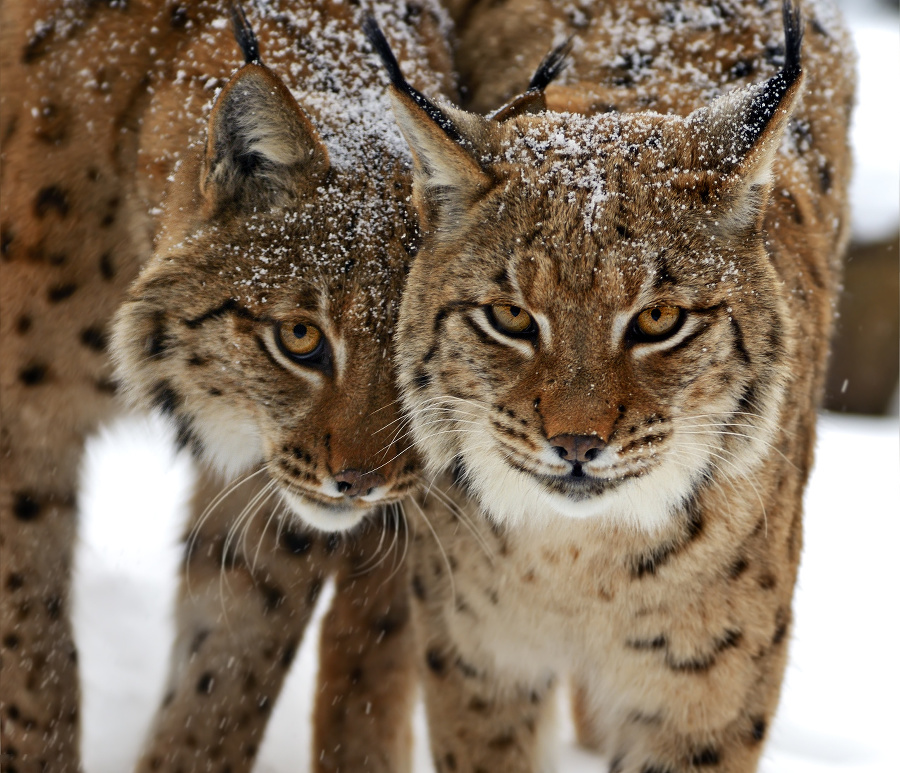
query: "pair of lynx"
610, 348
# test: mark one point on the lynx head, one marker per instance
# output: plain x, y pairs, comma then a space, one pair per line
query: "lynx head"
593, 326
262, 323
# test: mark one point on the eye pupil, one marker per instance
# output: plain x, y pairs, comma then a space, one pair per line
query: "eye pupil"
515, 311
299, 330
656, 314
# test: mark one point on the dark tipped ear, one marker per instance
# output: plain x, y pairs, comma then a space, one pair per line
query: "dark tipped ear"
448, 175
533, 100
261, 145
744, 128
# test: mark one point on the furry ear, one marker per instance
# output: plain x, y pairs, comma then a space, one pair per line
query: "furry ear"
447, 173
261, 145
533, 100
742, 131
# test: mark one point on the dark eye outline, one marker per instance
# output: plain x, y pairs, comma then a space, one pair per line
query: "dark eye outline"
638, 336
320, 357
529, 332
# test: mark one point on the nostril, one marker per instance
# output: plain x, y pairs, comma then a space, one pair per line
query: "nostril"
561, 452
591, 454
356, 483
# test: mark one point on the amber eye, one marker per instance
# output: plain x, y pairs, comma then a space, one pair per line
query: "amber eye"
511, 320
657, 322
300, 340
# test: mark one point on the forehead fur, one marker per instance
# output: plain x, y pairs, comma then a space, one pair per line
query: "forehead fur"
607, 197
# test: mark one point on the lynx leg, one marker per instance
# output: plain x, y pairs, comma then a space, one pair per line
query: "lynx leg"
589, 730
367, 667
40, 698
247, 593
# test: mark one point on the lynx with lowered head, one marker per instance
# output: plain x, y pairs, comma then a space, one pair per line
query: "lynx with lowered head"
275, 205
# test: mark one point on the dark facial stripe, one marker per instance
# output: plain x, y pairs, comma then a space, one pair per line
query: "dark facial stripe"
230, 306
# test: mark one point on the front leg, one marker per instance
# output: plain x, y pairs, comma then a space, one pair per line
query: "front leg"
479, 723
247, 592
367, 672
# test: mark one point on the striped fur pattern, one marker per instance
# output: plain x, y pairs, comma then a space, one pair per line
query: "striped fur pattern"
612, 344
136, 137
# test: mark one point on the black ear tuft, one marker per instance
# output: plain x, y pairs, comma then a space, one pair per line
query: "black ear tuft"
383, 49
793, 38
533, 101
763, 106
552, 65
244, 34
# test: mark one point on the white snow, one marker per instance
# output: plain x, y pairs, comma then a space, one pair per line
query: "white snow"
838, 713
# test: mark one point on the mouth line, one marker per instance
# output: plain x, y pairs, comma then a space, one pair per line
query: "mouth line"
575, 486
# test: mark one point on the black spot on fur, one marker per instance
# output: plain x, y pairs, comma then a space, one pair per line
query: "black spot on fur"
781, 627
273, 596
758, 731
178, 17
51, 199
197, 642
707, 756
738, 568
11, 641
418, 588
26, 507
296, 543
157, 344
107, 269
729, 640
435, 662
332, 543
33, 374
657, 643
826, 177
450, 761
61, 292
23, 324
6, 239
165, 398
205, 684
37, 43
422, 379
53, 605
14, 581
94, 338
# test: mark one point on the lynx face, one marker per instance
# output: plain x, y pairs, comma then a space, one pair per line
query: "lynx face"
262, 324
579, 332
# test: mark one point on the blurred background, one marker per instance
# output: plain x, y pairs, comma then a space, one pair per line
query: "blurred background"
866, 351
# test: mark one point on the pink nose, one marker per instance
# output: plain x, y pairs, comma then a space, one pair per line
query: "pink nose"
577, 448
356, 483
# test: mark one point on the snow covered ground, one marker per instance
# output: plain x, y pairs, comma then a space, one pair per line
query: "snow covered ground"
839, 711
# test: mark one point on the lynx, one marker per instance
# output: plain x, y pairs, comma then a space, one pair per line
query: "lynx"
275, 236
612, 342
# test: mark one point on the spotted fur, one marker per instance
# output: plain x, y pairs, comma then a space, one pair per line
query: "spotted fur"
622, 506
132, 129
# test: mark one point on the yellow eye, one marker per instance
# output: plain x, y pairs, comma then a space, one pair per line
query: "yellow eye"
658, 321
299, 339
511, 320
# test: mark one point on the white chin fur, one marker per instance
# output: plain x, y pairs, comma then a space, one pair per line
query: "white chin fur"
511, 496
323, 518
231, 443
